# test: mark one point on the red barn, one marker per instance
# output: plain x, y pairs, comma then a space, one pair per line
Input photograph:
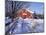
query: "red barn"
24, 13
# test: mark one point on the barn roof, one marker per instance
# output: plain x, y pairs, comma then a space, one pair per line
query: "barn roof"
26, 10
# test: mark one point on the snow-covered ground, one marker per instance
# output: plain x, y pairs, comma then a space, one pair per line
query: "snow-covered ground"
26, 26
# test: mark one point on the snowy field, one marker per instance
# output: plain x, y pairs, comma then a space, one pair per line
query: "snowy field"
21, 26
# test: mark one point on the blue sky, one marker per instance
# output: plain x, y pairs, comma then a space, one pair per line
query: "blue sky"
38, 7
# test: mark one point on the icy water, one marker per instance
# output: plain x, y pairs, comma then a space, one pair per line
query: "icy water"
21, 26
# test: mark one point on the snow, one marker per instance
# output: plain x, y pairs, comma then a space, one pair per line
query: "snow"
27, 25
7, 19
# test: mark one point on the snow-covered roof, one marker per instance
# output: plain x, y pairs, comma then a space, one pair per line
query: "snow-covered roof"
29, 11
26, 10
